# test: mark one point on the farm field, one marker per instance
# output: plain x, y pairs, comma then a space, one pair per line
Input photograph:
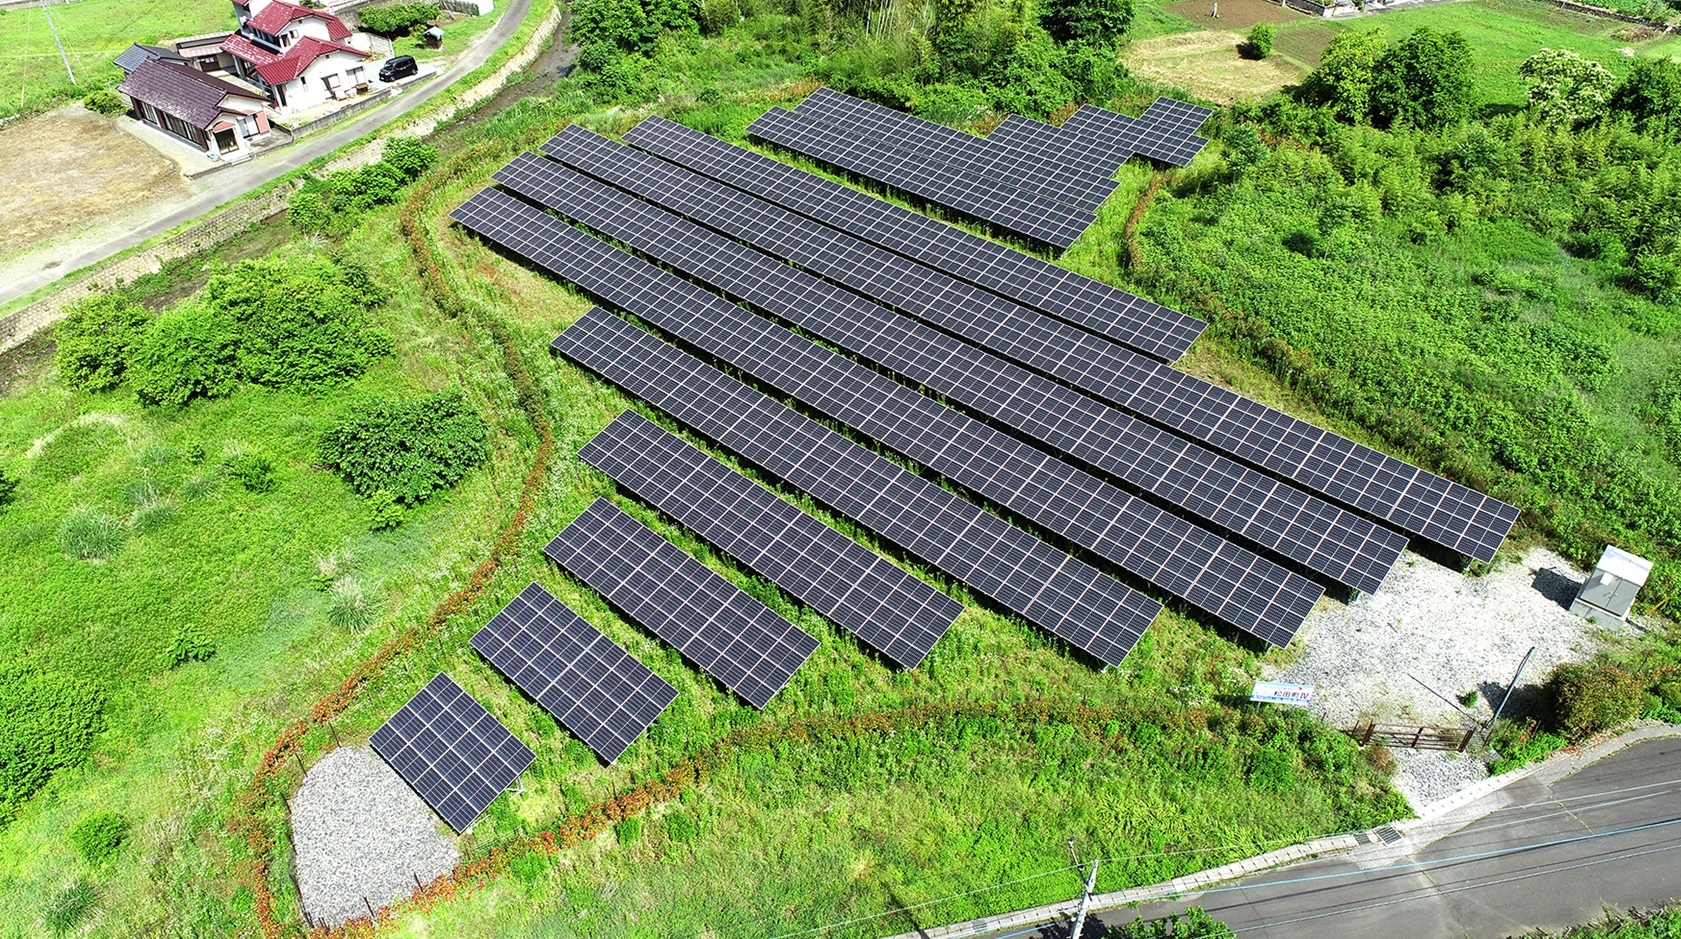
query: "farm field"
93, 32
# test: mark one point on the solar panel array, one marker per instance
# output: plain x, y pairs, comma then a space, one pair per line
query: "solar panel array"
451, 751
583, 679
1163, 132
1041, 219
734, 637
1345, 547
1048, 143
1108, 311
1222, 578
983, 156
1339, 469
1037, 582
854, 587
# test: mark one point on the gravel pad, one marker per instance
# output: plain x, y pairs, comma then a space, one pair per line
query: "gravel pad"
1406, 653
361, 832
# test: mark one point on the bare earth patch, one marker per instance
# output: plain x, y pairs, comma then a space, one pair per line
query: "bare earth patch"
69, 169
1408, 652
1207, 64
1234, 14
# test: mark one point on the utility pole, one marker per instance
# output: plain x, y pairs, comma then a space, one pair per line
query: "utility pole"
1507, 696
61, 53
1085, 896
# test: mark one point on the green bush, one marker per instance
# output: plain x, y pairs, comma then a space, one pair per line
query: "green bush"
1259, 45
89, 534
1519, 745
1194, 923
397, 19
1270, 769
331, 204
105, 101
188, 643
8, 488
1591, 698
47, 722
1091, 22
98, 836
188, 353
68, 907
410, 449
253, 472
629, 831
296, 320
95, 339
1424, 80
384, 511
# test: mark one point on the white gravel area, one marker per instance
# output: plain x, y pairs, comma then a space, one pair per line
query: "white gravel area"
1406, 653
361, 832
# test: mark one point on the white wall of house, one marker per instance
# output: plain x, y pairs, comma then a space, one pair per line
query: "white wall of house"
335, 70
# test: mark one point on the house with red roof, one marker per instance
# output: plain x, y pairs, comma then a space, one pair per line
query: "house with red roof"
301, 57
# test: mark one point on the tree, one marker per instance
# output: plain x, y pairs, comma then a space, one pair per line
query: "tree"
1092, 22
95, 339
1343, 81
1259, 45
1566, 88
398, 19
188, 353
1423, 80
1650, 96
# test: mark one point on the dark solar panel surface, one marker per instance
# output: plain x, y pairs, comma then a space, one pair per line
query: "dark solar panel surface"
451, 751
1411, 499
1217, 576
1039, 583
854, 587
1343, 546
1046, 142
1002, 164
584, 680
1158, 135
1107, 311
1038, 218
734, 637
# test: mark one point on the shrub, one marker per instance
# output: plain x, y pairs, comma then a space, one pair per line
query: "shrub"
296, 321
1423, 80
397, 19
1593, 698
1090, 22
350, 607
1192, 924
47, 722
98, 836
1270, 769
89, 534
95, 339
105, 101
254, 473
331, 204
1259, 45
1521, 744
629, 831
8, 488
410, 157
1244, 146
384, 511
410, 449
187, 644
188, 353
68, 907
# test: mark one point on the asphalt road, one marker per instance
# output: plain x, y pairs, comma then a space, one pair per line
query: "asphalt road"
1608, 836
226, 185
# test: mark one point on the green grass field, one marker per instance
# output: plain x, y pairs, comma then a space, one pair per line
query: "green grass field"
93, 32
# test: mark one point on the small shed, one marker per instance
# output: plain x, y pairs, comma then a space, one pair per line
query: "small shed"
434, 37
1609, 591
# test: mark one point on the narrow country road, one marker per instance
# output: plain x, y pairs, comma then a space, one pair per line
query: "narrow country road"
224, 186
1607, 836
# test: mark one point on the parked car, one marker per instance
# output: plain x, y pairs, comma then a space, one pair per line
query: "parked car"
400, 67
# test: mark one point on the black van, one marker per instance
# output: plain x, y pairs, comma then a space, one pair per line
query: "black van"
400, 67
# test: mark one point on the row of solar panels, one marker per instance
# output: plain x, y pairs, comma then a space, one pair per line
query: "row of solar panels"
1035, 180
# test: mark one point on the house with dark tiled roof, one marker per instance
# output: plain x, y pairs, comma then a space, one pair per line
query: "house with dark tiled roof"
217, 116
134, 55
301, 57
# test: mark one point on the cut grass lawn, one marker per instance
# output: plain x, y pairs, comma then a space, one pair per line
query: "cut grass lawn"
93, 31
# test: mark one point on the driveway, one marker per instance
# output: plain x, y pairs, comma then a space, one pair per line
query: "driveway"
1607, 836
30, 271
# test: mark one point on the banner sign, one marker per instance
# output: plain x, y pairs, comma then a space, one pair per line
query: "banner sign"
1277, 692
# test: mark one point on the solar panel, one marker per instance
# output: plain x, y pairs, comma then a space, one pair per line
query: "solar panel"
1037, 218
1108, 311
854, 587
1344, 547
1047, 143
1027, 577
1158, 135
1226, 580
451, 751
1176, 116
734, 637
1356, 476
583, 679
1007, 165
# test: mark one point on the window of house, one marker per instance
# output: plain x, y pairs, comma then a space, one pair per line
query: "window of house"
285, 40
355, 75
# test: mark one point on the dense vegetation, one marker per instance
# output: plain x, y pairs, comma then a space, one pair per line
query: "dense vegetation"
331, 204
1660, 924
409, 450
397, 19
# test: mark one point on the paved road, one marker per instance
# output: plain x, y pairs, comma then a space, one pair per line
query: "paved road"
1472, 883
226, 185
